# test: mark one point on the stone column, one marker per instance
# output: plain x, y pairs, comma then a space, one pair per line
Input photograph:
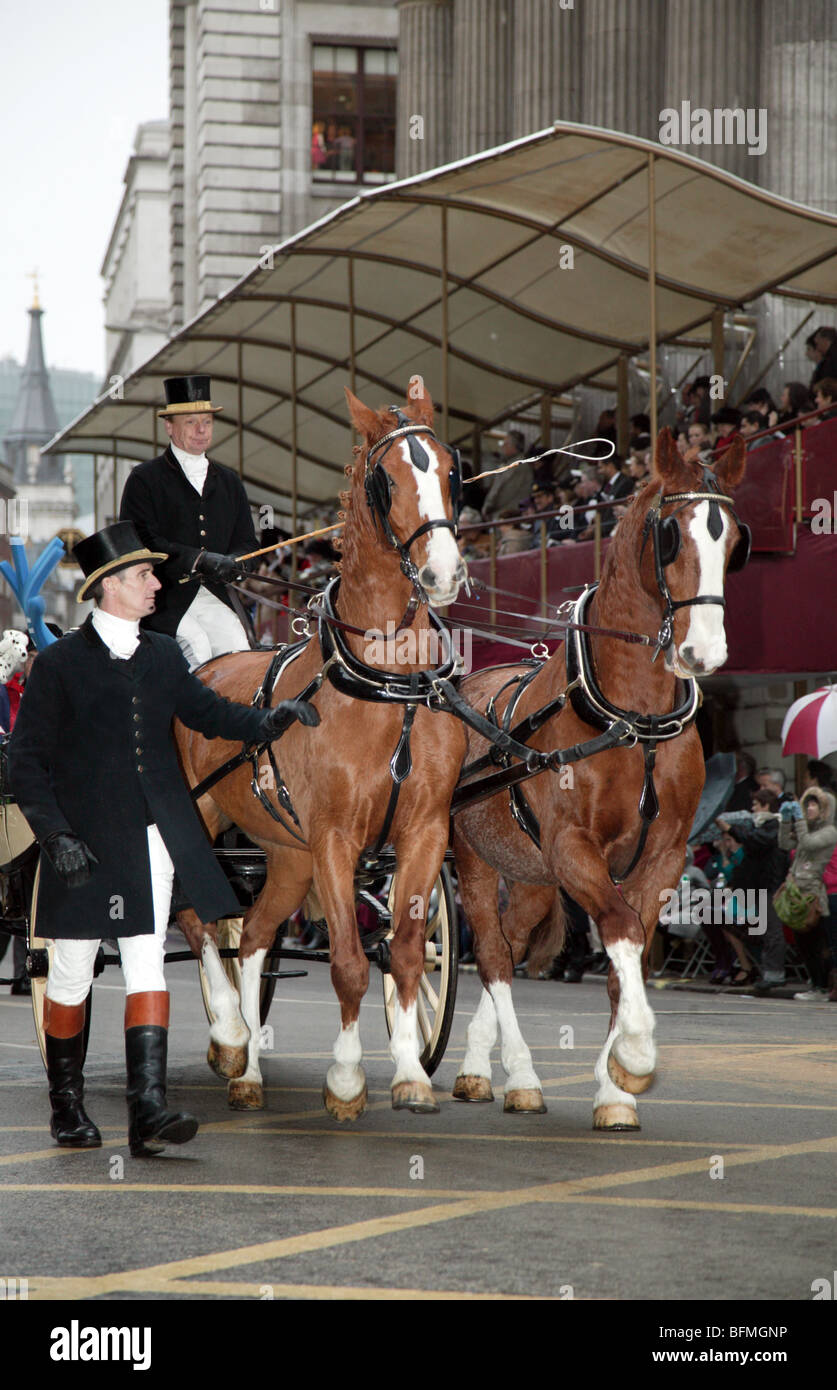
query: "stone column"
624, 53
546, 69
482, 46
712, 61
425, 77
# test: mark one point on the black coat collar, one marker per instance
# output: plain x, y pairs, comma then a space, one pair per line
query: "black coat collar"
134, 667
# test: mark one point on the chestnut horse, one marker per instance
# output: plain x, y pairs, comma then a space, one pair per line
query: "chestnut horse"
589, 821
338, 775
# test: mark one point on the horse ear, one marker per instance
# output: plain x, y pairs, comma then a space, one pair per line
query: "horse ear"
365, 421
667, 461
730, 468
419, 401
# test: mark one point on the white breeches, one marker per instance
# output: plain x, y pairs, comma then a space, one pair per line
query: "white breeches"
209, 628
71, 972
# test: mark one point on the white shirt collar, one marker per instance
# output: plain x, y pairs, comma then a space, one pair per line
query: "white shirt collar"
120, 635
187, 461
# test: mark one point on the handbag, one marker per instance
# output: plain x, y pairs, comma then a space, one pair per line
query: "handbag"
796, 909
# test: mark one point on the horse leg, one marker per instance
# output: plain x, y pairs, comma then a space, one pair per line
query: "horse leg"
344, 1089
528, 905
628, 1063
418, 864
623, 937
228, 1035
288, 880
478, 889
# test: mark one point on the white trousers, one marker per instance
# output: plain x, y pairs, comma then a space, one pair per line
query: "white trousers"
209, 628
71, 972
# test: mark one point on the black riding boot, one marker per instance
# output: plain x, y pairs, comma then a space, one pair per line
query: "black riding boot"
151, 1126
71, 1126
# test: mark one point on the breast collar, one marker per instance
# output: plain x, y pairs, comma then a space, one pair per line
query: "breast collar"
591, 705
353, 677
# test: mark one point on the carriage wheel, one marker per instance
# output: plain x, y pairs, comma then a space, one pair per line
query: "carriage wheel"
229, 937
34, 942
437, 989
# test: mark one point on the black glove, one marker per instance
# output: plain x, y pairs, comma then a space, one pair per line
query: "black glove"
278, 719
222, 567
70, 857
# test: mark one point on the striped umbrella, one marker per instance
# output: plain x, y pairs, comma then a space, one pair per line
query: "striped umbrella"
811, 724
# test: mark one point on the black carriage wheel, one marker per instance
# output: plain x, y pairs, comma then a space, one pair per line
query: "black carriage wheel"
437, 991
43, 946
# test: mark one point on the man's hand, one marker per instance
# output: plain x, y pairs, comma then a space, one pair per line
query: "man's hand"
70, 857
221, 567
278, 719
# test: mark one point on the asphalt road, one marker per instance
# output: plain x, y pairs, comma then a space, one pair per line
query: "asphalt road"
726, 1194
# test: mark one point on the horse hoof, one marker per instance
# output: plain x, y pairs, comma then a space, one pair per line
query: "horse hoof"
245, 1095
524, 1101
227, 1062
416, 1096
473, 1088
626, 1080
344, 1109
615, 1118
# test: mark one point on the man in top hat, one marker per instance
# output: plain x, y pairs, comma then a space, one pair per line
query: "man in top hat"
197, 512
94, 769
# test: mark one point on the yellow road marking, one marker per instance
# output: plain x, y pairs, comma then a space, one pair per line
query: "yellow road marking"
564, 1191
337, 1292
683, 1204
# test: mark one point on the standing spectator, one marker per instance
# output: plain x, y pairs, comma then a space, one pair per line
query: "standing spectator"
762, 870
702, 405
772, 779
640, 428
825, 349
746, 786
808, 827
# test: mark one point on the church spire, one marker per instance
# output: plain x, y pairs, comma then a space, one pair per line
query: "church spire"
34, 421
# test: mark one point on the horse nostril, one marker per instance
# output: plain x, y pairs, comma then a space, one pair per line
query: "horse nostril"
428, 577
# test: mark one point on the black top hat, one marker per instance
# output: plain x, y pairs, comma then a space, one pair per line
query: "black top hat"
187, 395
114, 548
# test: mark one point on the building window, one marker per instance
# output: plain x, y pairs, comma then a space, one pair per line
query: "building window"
353, 120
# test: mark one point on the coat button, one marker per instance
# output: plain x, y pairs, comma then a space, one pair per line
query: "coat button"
136, 719
139, 750
203, 533
140, 767
135, 700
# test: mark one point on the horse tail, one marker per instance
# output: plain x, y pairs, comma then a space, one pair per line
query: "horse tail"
547, 938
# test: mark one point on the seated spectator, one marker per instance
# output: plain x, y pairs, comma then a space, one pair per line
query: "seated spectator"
825, 351
701, 403
727, 421
752, 423
509, 489
763, 402
639, 462
475, 545
825, 398
794, 401
640, 429
807, 826
700, 444
614, 485
586, 490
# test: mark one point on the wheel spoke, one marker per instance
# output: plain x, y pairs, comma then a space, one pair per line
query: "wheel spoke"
423, 1020
429, 992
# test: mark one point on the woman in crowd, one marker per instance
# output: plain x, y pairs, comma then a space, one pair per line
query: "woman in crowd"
807, 827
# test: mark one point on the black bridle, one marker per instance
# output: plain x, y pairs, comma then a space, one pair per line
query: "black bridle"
378, 485
665, 536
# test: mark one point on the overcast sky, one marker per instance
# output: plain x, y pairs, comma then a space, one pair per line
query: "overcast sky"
75, 82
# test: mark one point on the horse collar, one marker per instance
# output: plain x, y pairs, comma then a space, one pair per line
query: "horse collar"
591, 705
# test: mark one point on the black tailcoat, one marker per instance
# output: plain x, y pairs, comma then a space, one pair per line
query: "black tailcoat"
93, 753
172, 517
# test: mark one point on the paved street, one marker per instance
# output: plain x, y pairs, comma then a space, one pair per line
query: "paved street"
286, 1203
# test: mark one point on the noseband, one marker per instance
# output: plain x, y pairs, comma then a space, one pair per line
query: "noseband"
378, 485
665, 536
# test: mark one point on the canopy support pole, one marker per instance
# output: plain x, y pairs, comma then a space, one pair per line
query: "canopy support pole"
240, 411
622, 404
718, 347
652, 298
294, 526
445, 396
95, 492
115, 488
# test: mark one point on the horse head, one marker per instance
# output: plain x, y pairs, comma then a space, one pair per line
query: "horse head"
412, 483
696, 540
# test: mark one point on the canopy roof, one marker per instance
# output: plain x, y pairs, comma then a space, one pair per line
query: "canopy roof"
468, 258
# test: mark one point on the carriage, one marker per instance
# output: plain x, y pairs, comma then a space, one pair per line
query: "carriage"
378, 816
